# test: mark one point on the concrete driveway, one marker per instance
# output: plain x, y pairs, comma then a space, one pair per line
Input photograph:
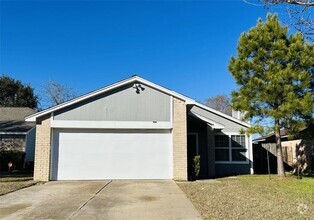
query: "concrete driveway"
118, 199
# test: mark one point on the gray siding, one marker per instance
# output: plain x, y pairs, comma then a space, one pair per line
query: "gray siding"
230, 126
121, 105
211, 152
231, 169
30, 145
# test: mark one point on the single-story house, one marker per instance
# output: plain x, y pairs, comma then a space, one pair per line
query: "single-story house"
136, 129
16, 134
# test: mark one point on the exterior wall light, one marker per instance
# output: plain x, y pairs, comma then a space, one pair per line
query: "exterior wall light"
138, 88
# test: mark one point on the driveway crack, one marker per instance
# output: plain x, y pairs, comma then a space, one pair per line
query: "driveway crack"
90, 199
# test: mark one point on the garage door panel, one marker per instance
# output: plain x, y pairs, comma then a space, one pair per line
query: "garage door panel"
79, 155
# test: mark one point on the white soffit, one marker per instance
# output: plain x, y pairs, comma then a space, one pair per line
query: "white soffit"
211, 123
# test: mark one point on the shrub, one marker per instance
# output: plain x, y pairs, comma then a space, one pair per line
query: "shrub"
16, 157
196, 166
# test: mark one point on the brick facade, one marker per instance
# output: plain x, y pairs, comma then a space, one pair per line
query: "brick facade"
42, 150
179, 140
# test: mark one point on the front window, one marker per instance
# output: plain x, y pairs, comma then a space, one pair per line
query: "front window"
238, 147
222, 148
230, 148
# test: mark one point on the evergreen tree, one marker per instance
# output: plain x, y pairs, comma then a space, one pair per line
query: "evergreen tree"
274, 72
14, 94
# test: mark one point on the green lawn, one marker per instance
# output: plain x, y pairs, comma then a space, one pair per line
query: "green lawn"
15, 181
252, 197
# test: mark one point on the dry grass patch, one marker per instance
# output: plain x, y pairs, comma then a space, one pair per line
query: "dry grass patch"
252, 197
12, 182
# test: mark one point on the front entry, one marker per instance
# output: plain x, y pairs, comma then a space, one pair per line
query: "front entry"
193, 150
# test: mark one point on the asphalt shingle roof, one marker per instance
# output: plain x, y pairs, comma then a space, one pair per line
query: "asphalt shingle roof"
12, 119
15, 113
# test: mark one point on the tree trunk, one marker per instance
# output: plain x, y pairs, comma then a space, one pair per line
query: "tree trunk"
280, 166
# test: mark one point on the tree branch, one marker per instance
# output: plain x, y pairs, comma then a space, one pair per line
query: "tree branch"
309, 3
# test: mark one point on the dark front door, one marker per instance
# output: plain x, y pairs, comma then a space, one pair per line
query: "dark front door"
192, 152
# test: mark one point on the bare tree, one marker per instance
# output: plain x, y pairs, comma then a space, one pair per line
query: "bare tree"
55, 93
292, 2
221, 103
299, 14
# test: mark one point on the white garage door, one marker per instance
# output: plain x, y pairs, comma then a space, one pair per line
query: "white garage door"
91, 155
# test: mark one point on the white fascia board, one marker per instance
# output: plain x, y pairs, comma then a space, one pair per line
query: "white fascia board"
212, 123
167, 91
106, 89
251, 155
14, 133
222, 114
259, 140
111, 124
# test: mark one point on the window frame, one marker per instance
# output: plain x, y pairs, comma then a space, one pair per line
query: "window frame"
197, 150
230, 148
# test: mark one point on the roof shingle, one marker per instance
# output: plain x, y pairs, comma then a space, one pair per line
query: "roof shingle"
12, 119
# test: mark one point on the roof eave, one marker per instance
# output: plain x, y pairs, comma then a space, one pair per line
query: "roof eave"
222, 114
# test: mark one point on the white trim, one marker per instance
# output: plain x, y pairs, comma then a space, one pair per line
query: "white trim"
251, 154
111, 124
211, 123
14, 133
106, 89
197, 150
222, 114
247, 147
51, 145
260, 140
171, 109
172, 153
51, 153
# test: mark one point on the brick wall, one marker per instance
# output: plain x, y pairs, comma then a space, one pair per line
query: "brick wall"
179, 140
42, 150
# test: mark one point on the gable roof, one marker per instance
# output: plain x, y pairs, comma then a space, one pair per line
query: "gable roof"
213, 124
15, 127
284, 133
132, 79
15, 113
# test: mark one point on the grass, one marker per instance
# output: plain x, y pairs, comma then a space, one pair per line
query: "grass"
252, 197
10, 182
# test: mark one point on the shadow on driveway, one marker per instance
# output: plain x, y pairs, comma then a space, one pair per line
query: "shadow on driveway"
118, 199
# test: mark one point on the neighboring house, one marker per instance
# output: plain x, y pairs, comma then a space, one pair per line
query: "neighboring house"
136, 129
299, 149
15, 133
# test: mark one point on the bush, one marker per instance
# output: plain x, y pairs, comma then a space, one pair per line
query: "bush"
196, 166
16, 157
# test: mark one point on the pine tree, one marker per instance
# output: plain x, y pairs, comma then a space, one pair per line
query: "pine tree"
274, 72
